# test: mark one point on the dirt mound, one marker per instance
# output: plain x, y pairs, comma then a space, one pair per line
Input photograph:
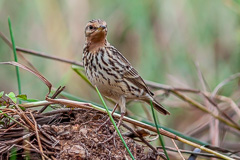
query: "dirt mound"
70, 134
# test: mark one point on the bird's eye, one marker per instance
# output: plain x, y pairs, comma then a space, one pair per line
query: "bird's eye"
90, 27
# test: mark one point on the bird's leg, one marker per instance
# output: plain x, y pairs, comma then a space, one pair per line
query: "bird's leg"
114, 109
120, 120
121, 103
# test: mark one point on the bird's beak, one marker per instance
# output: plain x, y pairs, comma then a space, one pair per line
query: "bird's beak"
102, 27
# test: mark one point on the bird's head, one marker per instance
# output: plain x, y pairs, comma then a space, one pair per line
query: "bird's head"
96, 30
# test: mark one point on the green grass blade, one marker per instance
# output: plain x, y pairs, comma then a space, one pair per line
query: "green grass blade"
13, 153
13, 119
76, 69
15, 56
114, 124
159, 135
178, 134
75, 98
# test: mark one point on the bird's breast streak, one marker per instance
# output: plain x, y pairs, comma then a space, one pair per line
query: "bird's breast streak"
106, 73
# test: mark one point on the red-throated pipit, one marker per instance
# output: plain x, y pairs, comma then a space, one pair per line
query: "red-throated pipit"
111, 72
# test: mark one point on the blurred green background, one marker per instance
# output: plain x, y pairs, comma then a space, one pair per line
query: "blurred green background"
162, 39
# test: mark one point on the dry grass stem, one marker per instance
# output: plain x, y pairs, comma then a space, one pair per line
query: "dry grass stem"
38, 139
178, 149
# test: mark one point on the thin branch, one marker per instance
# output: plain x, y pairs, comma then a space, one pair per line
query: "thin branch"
224, 82
6, 40
195, 153
213, 123
204, 109
36, 149
25, 117
205, 149
37, 135
58, 91
36, 53
178, 149
42, 54
223, 113
35, 104
228, 100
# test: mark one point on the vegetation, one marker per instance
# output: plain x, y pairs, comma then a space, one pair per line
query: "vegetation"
191, 49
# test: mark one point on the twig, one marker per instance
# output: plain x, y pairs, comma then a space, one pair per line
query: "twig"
223, 113
26, 118
55, 142
58, 91
37, 135
228, 100
35, 150
35, 104
14, 120
191, 152
178, 149
204, 149
213, 123
6, 40
43, 155
224, 82
42, 78
201, 107
15, 141
202, 79
40, 54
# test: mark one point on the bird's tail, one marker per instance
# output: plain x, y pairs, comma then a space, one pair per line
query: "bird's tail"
159, 107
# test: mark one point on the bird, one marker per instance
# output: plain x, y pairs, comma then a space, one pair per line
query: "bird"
113, 75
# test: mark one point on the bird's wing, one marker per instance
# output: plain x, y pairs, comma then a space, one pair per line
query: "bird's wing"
131, 74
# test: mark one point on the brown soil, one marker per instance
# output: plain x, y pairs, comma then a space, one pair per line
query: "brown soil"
73, 134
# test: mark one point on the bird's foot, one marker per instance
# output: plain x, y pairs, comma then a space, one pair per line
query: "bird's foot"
107, 121
109, 139
115, 132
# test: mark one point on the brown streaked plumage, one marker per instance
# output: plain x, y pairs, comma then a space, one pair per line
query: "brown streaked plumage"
111, 72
